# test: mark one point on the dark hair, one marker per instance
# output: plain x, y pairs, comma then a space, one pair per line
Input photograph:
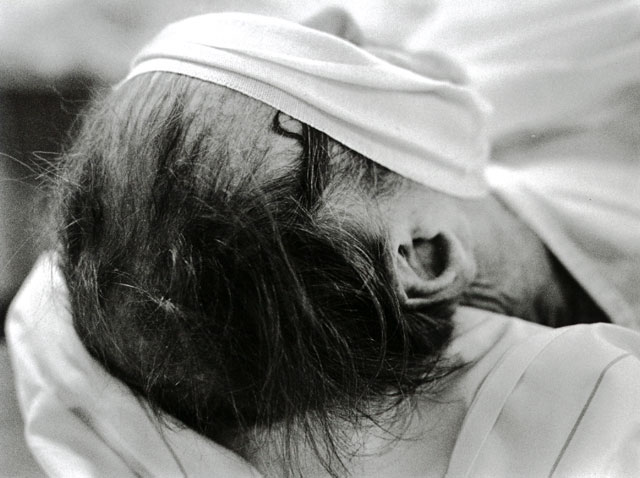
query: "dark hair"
232, 294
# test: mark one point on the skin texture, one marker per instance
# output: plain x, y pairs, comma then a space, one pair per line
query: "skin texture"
501, 264
428, 432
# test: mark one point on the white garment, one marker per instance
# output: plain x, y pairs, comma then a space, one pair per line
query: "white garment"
541, 402
548, 402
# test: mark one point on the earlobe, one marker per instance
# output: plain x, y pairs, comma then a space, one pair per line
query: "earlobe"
433, 270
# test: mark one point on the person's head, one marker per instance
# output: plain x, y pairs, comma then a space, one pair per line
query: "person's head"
245, 272
237, 268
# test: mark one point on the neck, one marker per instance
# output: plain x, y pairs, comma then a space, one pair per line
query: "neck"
419, 435
519, 276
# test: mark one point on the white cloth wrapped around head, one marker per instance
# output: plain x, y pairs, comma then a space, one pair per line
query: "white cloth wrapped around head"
394, 109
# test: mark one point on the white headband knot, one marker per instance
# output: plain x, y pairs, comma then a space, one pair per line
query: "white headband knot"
421, 126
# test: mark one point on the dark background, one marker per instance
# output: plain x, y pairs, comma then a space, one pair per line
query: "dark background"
33, 131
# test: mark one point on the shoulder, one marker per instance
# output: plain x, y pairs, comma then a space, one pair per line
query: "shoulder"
560, 402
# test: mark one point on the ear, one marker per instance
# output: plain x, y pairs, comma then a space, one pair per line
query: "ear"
433, 270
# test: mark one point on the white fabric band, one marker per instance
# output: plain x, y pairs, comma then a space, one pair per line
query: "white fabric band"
421, 126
